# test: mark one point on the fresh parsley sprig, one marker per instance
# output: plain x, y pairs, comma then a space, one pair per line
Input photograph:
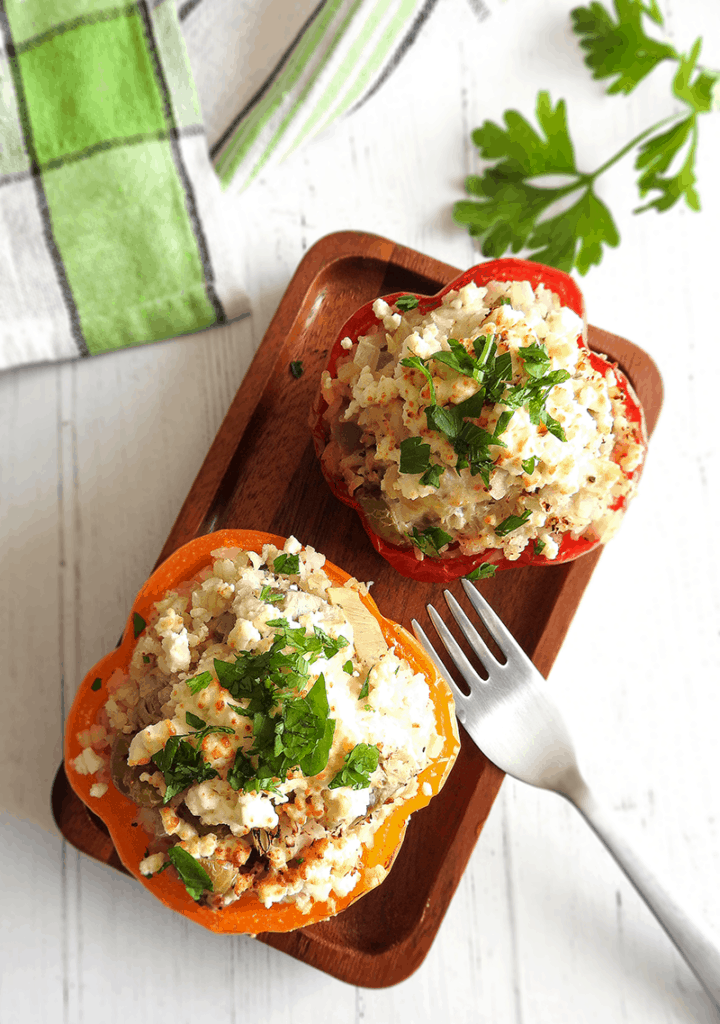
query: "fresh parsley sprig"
512, 210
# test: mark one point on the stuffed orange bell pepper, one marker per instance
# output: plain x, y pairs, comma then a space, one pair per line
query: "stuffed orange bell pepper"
259, 739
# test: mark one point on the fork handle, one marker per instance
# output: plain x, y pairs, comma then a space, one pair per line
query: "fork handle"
700, 953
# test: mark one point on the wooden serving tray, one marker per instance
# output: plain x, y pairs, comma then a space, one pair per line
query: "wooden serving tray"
261, 473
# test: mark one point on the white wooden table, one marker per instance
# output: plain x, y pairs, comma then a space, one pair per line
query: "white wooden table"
98, 455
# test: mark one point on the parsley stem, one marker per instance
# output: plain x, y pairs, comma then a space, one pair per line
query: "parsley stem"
626, 148
586, 180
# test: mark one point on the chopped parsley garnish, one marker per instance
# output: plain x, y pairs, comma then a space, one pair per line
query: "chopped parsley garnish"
194, 721
146, 659
286, 564
357, 767
429, 540
492, 371
529, 465
414, 455
194, 876
289, 731
297, 369
269, 596
199, 682
182, 762
96, 684
365, 690
182, 765
415, 458
348, 667
405, 302
139, 624
512, 523
539, 547
300, 736
483, 572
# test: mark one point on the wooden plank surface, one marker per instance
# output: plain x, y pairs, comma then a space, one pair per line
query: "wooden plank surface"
97, 457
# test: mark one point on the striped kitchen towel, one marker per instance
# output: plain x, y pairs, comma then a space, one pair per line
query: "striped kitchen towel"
114, 229
288, 70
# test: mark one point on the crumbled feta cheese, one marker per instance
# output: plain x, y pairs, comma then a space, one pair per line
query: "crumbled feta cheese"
88, 762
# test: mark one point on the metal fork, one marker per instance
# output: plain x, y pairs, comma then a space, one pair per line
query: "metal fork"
517, 726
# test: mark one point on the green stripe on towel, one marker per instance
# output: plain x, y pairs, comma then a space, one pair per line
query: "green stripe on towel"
104, 99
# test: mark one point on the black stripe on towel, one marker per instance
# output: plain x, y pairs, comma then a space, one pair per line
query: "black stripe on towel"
101, 147
40, 196
403, 47
239, 117
187, 8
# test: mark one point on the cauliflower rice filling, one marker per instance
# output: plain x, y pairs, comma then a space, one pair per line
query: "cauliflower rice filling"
267, 730
482, 425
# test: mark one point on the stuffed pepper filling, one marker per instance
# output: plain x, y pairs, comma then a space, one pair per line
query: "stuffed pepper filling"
265, 729
483, 425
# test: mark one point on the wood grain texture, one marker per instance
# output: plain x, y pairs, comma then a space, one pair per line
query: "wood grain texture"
261, 473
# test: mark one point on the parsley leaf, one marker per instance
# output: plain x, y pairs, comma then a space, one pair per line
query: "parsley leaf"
620, 48
297, 369
414, 455
508, 213
96, 684
431, 476
199, 682
269, 596
429, 540
405, 302
286, 564
661, 151
348, 667
300, 736
289, 731
357, 767
483, 572
139, 624
529, 465
182, 765
512, 523
194, 876
365, 690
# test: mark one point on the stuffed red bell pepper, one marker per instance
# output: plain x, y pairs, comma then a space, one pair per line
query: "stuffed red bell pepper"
475, 428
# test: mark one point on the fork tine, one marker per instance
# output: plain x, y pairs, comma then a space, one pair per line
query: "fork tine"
456, 652
471, 634
459, 696
497, 630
